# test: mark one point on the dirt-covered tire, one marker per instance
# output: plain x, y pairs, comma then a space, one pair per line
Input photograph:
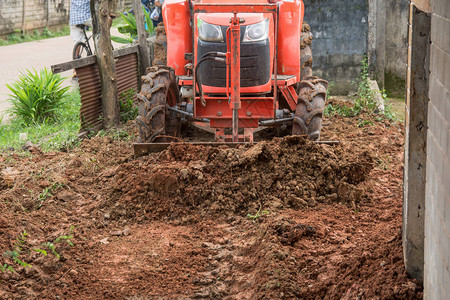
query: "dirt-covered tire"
310, 106
306, 58
159, 91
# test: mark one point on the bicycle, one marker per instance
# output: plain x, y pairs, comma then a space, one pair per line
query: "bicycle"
82, 49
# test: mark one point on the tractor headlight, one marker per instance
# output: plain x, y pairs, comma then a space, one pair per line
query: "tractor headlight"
257, 32
209, 32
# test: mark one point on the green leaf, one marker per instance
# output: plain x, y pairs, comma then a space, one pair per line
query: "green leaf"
41, 251
121, 40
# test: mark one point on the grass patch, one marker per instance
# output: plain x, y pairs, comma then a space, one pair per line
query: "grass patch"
19, 37
60, 134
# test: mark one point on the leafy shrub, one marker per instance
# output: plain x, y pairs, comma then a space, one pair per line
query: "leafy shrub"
36, 96
129, 29
59, 135
128, 109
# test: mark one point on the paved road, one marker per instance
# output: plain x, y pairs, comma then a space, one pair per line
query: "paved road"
15, 59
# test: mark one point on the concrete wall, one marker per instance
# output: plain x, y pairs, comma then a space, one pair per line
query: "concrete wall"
340, 39
32, 14
35, 14
437, 200
345, 32
397, 12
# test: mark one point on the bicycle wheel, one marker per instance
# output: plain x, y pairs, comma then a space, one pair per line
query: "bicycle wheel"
80, 50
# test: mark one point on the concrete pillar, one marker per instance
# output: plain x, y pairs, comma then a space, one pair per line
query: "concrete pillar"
416, 140
372, 37
380, 41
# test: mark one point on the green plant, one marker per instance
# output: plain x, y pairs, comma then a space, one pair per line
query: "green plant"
129, 29
258, 214
7, 268
15, 253
46, 192
128, 109
364, 101
60, 134
51, 246
36, 96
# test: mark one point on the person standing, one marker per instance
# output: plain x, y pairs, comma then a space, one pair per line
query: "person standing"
80, 14
156, 14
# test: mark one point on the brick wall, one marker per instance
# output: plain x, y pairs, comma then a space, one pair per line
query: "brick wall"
437, 200
36, 14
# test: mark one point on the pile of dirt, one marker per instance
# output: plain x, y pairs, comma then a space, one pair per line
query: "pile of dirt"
324, 219
290, 172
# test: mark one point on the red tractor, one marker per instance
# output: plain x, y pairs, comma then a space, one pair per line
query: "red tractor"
234, 67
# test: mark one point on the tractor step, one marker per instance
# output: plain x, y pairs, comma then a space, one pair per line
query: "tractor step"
142, 149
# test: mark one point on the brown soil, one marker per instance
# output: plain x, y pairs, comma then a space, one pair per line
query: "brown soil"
174, 225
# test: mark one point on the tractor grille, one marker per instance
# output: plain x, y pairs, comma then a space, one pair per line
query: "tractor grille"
255, 64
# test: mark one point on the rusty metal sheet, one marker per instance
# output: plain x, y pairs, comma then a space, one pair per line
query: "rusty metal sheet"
127, 70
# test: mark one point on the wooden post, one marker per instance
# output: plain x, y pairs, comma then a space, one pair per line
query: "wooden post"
144, 50
101, 23
23, 15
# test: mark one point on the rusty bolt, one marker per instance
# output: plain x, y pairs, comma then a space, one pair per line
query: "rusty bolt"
249, 113
219, 113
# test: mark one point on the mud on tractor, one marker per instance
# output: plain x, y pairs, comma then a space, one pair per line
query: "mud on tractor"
234, 68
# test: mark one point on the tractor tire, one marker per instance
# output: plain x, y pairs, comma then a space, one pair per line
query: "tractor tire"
306, 58
310, 107
159, 91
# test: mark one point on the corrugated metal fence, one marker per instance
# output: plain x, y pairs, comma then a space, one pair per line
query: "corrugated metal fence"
127, 70
90, 87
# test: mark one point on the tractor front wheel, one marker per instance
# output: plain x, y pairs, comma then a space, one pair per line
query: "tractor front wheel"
159, 91
310, 107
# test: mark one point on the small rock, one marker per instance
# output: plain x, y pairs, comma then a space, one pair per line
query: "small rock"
116, 233
311, 202
199, 175
107, 216
184, 173
126, 231
333, 197
104, 241
383, 263
29, 146
73, 273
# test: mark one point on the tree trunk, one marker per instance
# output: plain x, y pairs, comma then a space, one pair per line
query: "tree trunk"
101, 23
142, 36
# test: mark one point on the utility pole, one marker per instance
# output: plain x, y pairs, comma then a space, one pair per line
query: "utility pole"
101, 21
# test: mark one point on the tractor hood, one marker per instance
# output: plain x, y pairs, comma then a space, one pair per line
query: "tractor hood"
224, 19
